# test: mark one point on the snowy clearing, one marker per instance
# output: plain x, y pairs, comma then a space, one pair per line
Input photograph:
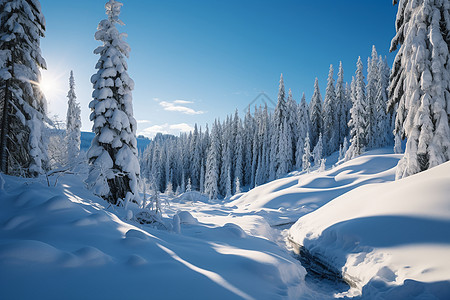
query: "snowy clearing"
63, 242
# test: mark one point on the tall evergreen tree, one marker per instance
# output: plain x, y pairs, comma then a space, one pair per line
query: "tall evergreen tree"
316, 114
382, 130
302, 131
420, 83
371, 95
318, 151
113, 153
73, 123
307, 155
23, 150
359, 114
329, 116
292, 123
213, 165
341, 107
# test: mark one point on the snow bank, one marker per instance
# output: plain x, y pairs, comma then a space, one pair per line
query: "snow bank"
391, 239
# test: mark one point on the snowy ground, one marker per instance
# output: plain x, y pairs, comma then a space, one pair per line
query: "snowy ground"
392, 238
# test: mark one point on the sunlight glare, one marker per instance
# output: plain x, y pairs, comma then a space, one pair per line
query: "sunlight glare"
52, 85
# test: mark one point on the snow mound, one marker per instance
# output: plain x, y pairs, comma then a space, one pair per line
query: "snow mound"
192, 196
387, 235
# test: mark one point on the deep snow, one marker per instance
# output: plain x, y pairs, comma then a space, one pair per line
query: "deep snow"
391, 238
64, 243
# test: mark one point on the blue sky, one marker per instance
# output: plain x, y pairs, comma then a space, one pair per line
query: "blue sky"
193, 61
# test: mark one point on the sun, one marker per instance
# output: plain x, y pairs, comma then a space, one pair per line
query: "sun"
51, 85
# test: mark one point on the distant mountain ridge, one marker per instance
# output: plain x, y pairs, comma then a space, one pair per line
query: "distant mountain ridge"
87, 137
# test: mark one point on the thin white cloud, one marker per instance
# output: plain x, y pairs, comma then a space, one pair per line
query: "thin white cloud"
183, 102
143, 121
170, 106
166, 128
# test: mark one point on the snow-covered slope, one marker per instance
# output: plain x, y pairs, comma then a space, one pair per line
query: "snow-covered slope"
391, 238
286, 199
63, 243
386, 233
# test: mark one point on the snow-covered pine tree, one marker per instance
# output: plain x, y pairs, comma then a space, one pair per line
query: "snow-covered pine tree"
228, 193
342, 107
318, 151
383, 134
23, 149
189, 185
292, 122
307, 155
202, 177
249, 130
114, 145
183, 183
303, 127
344, 148
237, 186
227, 155
322, 165
73, 124
195, 152
420, 84
398, 144
341, 153
284, 151
371, 94
279, 117
316, 114
329, 116
213, 165
239, 151
359, 120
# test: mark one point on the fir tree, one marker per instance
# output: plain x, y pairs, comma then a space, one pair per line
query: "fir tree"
316, 114
237, 186
358, 122
202, 177
114, 145
303, 130
23, 149
420, 84
307, 155
329, 116
189, 185
342, 106
212, 165
318, 151
371, 95
73, 124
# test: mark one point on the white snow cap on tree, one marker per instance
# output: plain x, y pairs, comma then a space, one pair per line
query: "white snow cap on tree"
420, 83
114, 146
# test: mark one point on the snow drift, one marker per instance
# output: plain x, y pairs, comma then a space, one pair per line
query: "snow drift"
386, 234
